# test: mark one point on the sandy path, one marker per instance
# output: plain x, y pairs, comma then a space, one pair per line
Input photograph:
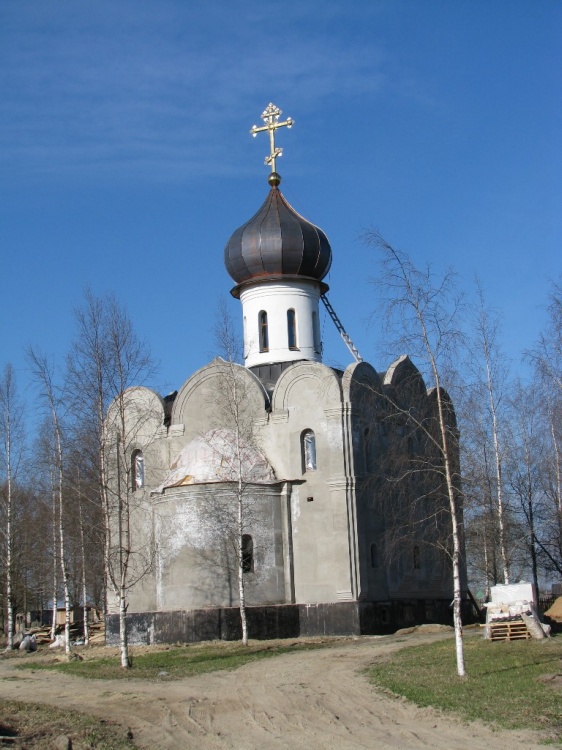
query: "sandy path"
315, 699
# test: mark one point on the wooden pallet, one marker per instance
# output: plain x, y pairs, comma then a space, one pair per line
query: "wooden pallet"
516, 630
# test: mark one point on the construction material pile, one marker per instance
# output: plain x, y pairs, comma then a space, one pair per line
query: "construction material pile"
512, 614
96, 634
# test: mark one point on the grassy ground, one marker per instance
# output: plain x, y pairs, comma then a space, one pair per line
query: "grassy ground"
174, 663
502, 686
35, 727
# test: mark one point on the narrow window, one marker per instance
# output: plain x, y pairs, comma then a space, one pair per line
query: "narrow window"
374, 556
417, 562
291, 329
308, 441
410, 446
137, 470
264, 336
366, 447
316, 333
247, 554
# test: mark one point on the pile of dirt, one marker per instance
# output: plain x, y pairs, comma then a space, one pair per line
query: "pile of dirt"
555, 612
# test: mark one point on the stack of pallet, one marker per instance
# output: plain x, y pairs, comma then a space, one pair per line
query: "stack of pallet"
512, 629
511, 614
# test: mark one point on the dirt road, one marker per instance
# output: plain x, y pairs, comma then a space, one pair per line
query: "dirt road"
312, 699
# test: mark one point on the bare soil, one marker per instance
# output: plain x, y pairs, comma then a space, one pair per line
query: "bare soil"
305, 700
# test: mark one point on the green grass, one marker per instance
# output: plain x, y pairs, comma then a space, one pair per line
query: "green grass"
174, 662
501, 686
35, 726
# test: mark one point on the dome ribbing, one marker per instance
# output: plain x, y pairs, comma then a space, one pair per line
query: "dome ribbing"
277, 242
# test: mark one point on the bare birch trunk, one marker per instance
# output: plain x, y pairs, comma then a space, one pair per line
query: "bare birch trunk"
64, 571
123, 564
558, 471
44, 376
240, 499
498, 462
241, 589
55, 567
451, 491
9, 543
11, 436
84, 586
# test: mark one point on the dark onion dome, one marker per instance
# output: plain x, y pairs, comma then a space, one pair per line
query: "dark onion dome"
277, 242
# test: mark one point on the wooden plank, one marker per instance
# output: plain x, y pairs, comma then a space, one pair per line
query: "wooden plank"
508, 631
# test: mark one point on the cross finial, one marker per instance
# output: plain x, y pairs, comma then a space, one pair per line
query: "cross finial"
270, 116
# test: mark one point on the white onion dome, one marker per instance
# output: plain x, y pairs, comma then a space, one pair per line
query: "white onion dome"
277, 243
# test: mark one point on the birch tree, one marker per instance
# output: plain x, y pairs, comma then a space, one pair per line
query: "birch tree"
493, 366
106, 361
51, 397
421, 314
234, 415
547, 359
12, 444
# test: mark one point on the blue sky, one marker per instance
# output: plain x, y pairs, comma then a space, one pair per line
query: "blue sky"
126, 160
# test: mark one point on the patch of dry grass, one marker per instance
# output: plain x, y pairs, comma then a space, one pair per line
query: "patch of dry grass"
34, 727
502, 686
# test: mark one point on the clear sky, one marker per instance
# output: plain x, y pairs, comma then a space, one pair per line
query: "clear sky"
126, 160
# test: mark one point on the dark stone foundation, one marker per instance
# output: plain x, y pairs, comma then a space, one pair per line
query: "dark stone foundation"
279, 621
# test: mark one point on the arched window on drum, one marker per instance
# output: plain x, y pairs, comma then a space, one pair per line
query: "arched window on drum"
292, 329
308, 451
264, 333
137, 470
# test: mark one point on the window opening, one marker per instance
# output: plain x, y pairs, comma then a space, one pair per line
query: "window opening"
292, 329
264, 336
308, 451
366, 449
417, 562
374, 556
247, 554
316, 333
137, 470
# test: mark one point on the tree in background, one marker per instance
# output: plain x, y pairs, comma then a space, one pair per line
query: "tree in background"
105, 362
483, 406
11, 457
547, 359
51, 396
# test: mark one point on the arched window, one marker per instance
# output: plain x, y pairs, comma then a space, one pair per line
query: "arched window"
137, 470
264, 336
308, 449
292, 329
374, 556
247, 554
416, 556
366, 448
316, 333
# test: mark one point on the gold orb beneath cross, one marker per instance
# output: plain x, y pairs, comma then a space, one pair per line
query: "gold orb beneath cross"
274, 179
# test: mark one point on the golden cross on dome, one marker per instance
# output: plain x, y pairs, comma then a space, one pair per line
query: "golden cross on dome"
270, 116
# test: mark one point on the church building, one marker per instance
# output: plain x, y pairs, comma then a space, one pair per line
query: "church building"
341, 530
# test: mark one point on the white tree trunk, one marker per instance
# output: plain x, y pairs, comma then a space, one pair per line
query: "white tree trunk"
451, 491
123, 641
55, 567
84, 586
498, 462
9, 543
64, 570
